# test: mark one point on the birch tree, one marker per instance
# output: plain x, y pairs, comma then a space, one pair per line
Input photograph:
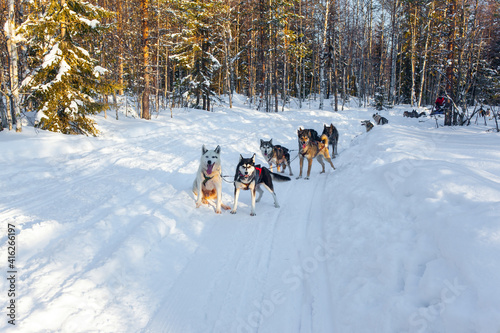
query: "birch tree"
12, 41
450, 65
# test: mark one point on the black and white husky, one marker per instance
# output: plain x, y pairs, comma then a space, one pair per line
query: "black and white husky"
251, 177
277, 155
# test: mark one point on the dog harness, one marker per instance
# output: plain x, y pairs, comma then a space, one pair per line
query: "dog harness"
206, 179
250, 178
259, 170
316, 143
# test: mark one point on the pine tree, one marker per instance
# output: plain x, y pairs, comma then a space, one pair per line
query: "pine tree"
66, 81
201, 28
380, 99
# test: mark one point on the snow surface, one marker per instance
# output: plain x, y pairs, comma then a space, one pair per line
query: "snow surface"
404, 236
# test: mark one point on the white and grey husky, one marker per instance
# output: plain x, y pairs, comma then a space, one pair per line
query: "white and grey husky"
208, 182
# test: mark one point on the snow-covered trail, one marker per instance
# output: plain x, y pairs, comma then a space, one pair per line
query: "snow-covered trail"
402, 237
247, 273
100, 218
250, 273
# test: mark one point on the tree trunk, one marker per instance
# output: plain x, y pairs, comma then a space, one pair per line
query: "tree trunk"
145, 59
394, 52
228, 63
4, 108
413, 54
450, 65
10, 27
275, 75
120, 46
322, 57
426, 51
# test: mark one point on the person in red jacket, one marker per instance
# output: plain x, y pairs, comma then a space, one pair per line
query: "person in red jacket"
439, 103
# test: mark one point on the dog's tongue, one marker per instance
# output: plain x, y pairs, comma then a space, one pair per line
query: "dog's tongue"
304, 146
209, 168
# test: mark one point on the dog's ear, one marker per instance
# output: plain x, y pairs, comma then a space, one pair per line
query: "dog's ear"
253, 158
217, 149
203, 149
241, 157
271, 142
261, 141
324, 126
331, 124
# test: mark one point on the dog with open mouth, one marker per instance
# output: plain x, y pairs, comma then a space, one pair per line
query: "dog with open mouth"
208, 182
310, 147
252, 177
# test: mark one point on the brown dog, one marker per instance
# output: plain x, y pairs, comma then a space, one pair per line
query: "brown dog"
310, 147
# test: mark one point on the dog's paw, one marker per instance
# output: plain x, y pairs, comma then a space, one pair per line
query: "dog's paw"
276, 206
218, 211
252, 214
299, 177
198, 204
306, 178
322, 172
233, 212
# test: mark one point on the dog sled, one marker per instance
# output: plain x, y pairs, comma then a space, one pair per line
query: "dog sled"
437, 111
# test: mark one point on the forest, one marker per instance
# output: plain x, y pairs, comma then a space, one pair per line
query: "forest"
65, 60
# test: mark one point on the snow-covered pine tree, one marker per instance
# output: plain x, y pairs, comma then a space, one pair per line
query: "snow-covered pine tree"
201, 27
65, 81
380, 99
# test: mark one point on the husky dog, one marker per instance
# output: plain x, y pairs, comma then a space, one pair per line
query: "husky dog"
311, 147
414, 114
250, 177
368, 125
333, 137
312, 134
379, 120
277, 155
208, 182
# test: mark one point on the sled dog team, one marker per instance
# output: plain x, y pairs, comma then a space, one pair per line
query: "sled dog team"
250, 176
